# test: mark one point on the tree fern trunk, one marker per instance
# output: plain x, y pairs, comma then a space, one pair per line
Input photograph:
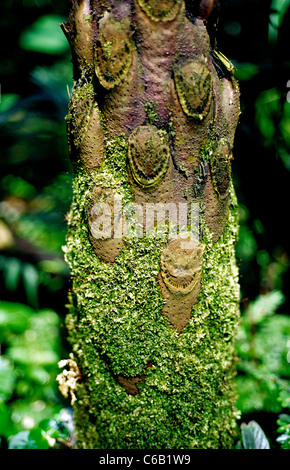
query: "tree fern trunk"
152, 316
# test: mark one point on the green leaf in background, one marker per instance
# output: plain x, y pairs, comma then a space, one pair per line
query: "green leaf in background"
45, 36
59, 426
264, 306
4, 420
24, 356
271, 345
55, 80
283, 148
12, 272
22, 441
253, 436
8, 100
262, 346
278, 9
18, 187
28, 440
284, 429
246, 71
30, 277
7, 379
35, 347
14, 316
268, 107
247, 245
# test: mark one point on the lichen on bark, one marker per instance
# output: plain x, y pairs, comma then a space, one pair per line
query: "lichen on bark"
151, 326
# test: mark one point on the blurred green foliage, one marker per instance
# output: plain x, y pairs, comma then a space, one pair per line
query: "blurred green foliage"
35, 194
263, 349
30, 350
35, 188
43, 36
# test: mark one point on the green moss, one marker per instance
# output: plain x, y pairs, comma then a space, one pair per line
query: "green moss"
187, 399
80, 109
152, 115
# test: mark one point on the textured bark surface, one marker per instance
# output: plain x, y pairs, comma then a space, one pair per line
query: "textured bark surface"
151, 323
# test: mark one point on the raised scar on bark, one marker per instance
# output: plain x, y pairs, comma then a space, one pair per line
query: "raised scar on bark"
91, 150
181, 268
218, 188
161, 10
113, 51
148, 155
180, 280
220, 165
194, 86
105, 245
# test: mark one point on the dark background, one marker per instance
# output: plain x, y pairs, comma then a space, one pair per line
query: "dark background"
35, 193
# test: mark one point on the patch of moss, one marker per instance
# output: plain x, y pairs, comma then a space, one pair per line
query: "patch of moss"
187, 398
152, 115
80, 109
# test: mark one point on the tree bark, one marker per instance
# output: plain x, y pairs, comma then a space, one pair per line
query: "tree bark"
152, 315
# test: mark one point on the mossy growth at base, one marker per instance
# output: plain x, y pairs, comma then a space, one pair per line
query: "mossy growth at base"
186, 397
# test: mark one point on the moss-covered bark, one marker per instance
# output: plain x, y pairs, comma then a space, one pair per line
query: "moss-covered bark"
151, 323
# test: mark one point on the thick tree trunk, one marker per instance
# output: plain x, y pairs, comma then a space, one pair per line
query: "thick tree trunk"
153, 313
